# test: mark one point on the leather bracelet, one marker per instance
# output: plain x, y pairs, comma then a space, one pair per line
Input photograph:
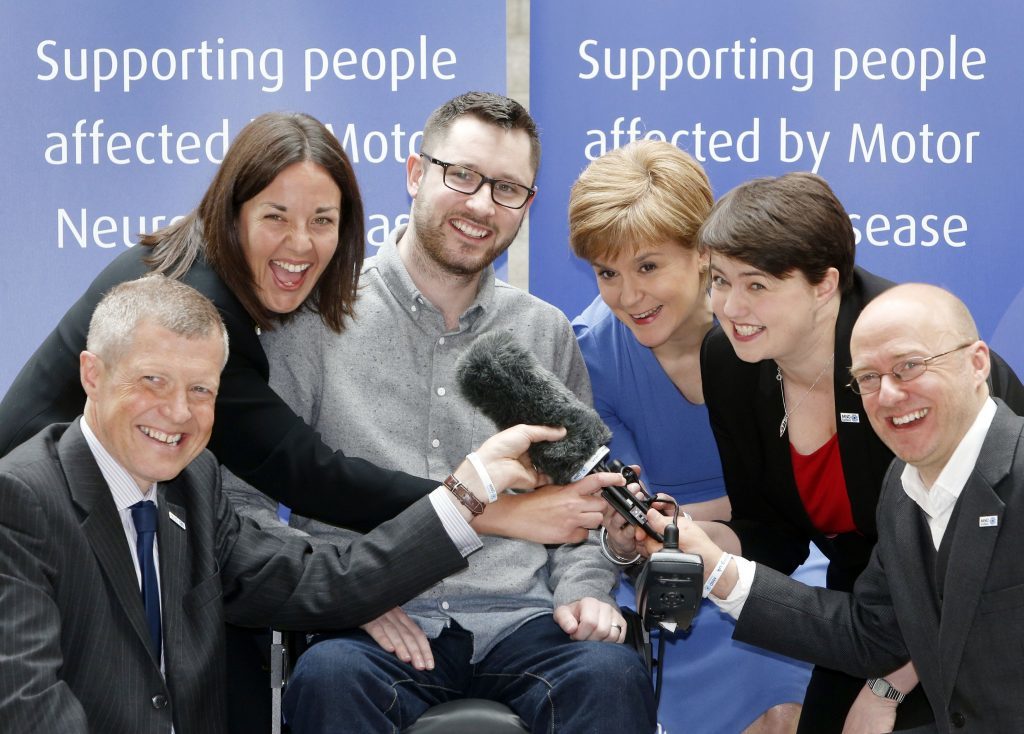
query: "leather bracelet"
463, 495
615, 557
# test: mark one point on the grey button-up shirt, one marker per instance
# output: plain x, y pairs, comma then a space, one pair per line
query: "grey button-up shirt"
385, 390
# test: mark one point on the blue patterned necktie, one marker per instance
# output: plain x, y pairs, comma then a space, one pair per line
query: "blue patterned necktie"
144, 516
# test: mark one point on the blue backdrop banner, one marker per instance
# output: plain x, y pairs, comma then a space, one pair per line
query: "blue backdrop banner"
117, 114
910, 110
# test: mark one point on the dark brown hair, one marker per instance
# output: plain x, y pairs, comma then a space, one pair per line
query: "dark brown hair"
781, 225
488, 107
262, 149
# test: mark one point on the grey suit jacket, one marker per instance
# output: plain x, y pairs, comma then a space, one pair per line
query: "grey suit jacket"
968, 643
73, 654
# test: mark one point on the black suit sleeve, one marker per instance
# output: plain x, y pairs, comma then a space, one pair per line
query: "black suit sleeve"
856, 633
33, 697
293, 584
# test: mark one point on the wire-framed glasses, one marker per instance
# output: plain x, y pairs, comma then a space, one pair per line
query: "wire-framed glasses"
903, 371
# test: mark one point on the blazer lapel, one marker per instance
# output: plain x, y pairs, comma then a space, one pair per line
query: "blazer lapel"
911, 573
174, 565
970, 553
861, 451
102, 526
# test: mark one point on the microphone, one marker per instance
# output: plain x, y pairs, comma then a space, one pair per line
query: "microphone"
507, 384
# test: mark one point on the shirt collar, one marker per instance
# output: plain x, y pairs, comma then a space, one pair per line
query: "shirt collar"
954, 475
123, 488
391, 268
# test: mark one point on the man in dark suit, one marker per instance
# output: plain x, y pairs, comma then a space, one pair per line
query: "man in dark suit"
106, 630
945, 584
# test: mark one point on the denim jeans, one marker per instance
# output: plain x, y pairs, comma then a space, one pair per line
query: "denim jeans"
347, 683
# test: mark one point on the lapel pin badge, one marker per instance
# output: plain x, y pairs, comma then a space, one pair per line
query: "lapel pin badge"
849, 417
988, 521
176, 520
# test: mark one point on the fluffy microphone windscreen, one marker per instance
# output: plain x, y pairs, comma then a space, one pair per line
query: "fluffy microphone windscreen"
508, 385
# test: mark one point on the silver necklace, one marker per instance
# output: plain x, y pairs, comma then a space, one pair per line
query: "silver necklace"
782, 386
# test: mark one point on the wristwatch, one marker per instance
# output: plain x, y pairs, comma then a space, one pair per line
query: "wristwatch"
883, 689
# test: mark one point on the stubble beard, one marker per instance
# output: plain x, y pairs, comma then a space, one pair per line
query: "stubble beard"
432, 238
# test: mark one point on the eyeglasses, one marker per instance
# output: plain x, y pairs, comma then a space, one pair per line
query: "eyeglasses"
467, 181
905, 371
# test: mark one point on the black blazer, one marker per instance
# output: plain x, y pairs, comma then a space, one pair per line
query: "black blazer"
966, 640
256, 435
75, 647
745, 407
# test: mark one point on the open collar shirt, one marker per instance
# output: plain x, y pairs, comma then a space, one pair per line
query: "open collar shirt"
385, 390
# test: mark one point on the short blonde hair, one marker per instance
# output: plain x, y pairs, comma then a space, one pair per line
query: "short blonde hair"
644, 193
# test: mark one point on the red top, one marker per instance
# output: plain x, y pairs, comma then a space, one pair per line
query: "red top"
822, 487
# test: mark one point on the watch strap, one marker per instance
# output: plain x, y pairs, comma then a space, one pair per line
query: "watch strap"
463, 495
884, 689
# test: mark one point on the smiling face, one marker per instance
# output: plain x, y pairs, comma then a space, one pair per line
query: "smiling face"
767, 317
289, 233
922, 421
463, 234
655, 291
152, 408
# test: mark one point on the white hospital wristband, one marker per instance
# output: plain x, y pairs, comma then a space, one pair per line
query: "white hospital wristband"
485, 478
716, 574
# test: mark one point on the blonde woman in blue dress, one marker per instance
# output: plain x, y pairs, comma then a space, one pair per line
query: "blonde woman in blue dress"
634, 215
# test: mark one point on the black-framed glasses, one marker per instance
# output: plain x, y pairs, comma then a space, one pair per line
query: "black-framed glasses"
905, 371
508, 194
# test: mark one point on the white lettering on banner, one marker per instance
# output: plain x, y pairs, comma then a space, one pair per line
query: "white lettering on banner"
380, 228
739, 61
92, 144
815, 147
925, 64
397, 64
105, 231
131, 65
376, 146
904, 146
906, 230
704, 145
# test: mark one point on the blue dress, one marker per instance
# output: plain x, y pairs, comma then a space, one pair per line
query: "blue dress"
711, 684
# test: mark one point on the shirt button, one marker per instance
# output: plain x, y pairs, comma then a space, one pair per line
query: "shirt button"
159, 701
441, 340
435, 443
445, 605
440, 391
957, 719
413, 307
